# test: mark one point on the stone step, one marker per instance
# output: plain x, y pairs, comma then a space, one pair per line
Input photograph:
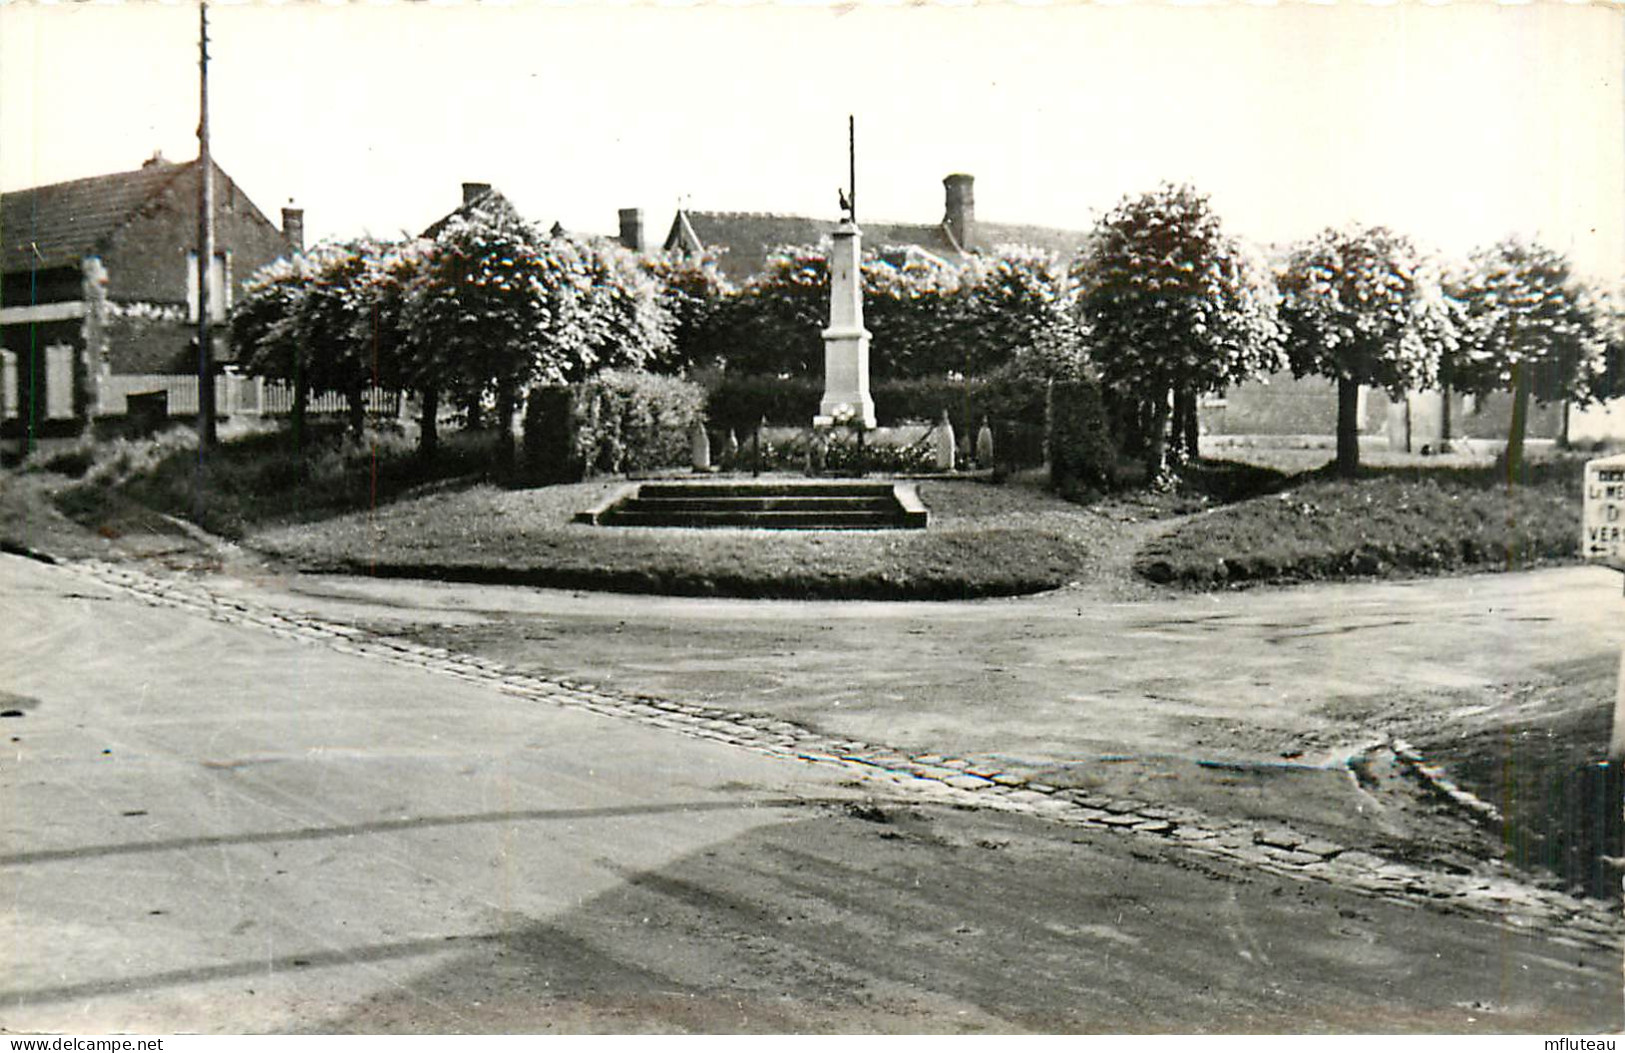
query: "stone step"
733, 503
822, 520
747, 488
850, 505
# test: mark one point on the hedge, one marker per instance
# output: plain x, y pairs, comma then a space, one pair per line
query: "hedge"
1081, 454
615, 423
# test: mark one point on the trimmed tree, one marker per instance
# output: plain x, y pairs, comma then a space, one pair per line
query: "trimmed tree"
388, 283
343, 349
776, 318
1172, 308
619, 308
695, 295
1013, 310
1610, 382
485, 311
264, 330
1532, 327
1363, 306
929, 319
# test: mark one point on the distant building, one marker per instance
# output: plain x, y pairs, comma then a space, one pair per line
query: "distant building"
477, 197
743, 241
100, 285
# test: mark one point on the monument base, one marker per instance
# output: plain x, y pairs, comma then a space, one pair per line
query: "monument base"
846, 401
864, 417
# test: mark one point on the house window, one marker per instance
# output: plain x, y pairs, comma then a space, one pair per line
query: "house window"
219, 287
59, 382
8, 385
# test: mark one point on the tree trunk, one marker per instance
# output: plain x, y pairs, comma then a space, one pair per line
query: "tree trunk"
428, 425
1190, 427
1444, 419
1156, 450
1520, 421
1176, 429
1348, 428
506, 399
301, 399
474, 413
357, 402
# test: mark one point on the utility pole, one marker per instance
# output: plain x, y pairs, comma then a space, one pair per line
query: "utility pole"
205, 239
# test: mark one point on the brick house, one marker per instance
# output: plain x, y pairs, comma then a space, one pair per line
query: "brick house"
98, 292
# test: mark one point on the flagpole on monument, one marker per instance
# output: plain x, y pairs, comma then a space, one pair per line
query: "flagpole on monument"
846, 402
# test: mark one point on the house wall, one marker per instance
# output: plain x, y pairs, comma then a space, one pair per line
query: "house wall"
53, 285
152, 345
147, 260
40, 388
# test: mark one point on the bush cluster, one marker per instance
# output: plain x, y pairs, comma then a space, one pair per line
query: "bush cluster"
835, 452
1013, 405
617, 422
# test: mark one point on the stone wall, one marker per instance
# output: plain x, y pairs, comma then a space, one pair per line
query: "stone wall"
1284, 405
1487, 417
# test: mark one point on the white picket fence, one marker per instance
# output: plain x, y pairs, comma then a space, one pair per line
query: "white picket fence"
233, 396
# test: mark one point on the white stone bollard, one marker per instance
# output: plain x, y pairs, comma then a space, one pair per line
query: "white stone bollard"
984, 446
699, 447
945, 444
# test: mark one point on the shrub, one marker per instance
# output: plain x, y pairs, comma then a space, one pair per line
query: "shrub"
72, 461
617, 422
1081, 454
1013, 406
738, 402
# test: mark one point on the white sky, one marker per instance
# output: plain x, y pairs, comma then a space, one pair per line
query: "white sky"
1456, 124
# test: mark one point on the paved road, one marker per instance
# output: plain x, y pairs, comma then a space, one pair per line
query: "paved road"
195, 814
210, 827
1041, 681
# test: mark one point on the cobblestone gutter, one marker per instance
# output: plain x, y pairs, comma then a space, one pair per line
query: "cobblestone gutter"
1279, 850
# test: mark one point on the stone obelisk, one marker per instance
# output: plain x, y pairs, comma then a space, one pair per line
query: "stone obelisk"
846, 342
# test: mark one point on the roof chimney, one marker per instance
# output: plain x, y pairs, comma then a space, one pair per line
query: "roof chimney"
632, 229
156, 160
293, 226
960, 213
472, 192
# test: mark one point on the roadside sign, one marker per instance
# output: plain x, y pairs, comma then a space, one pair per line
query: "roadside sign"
1602, 524
1602, 540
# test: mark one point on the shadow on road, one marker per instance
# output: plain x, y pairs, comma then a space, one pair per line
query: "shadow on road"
916, 919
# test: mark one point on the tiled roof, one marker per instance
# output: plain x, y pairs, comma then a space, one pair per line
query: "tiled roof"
746, 239
50, 226
492, 203
1064, 243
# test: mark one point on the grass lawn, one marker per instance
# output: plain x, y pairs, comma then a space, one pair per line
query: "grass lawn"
984, 540
371, 507
1390, 521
